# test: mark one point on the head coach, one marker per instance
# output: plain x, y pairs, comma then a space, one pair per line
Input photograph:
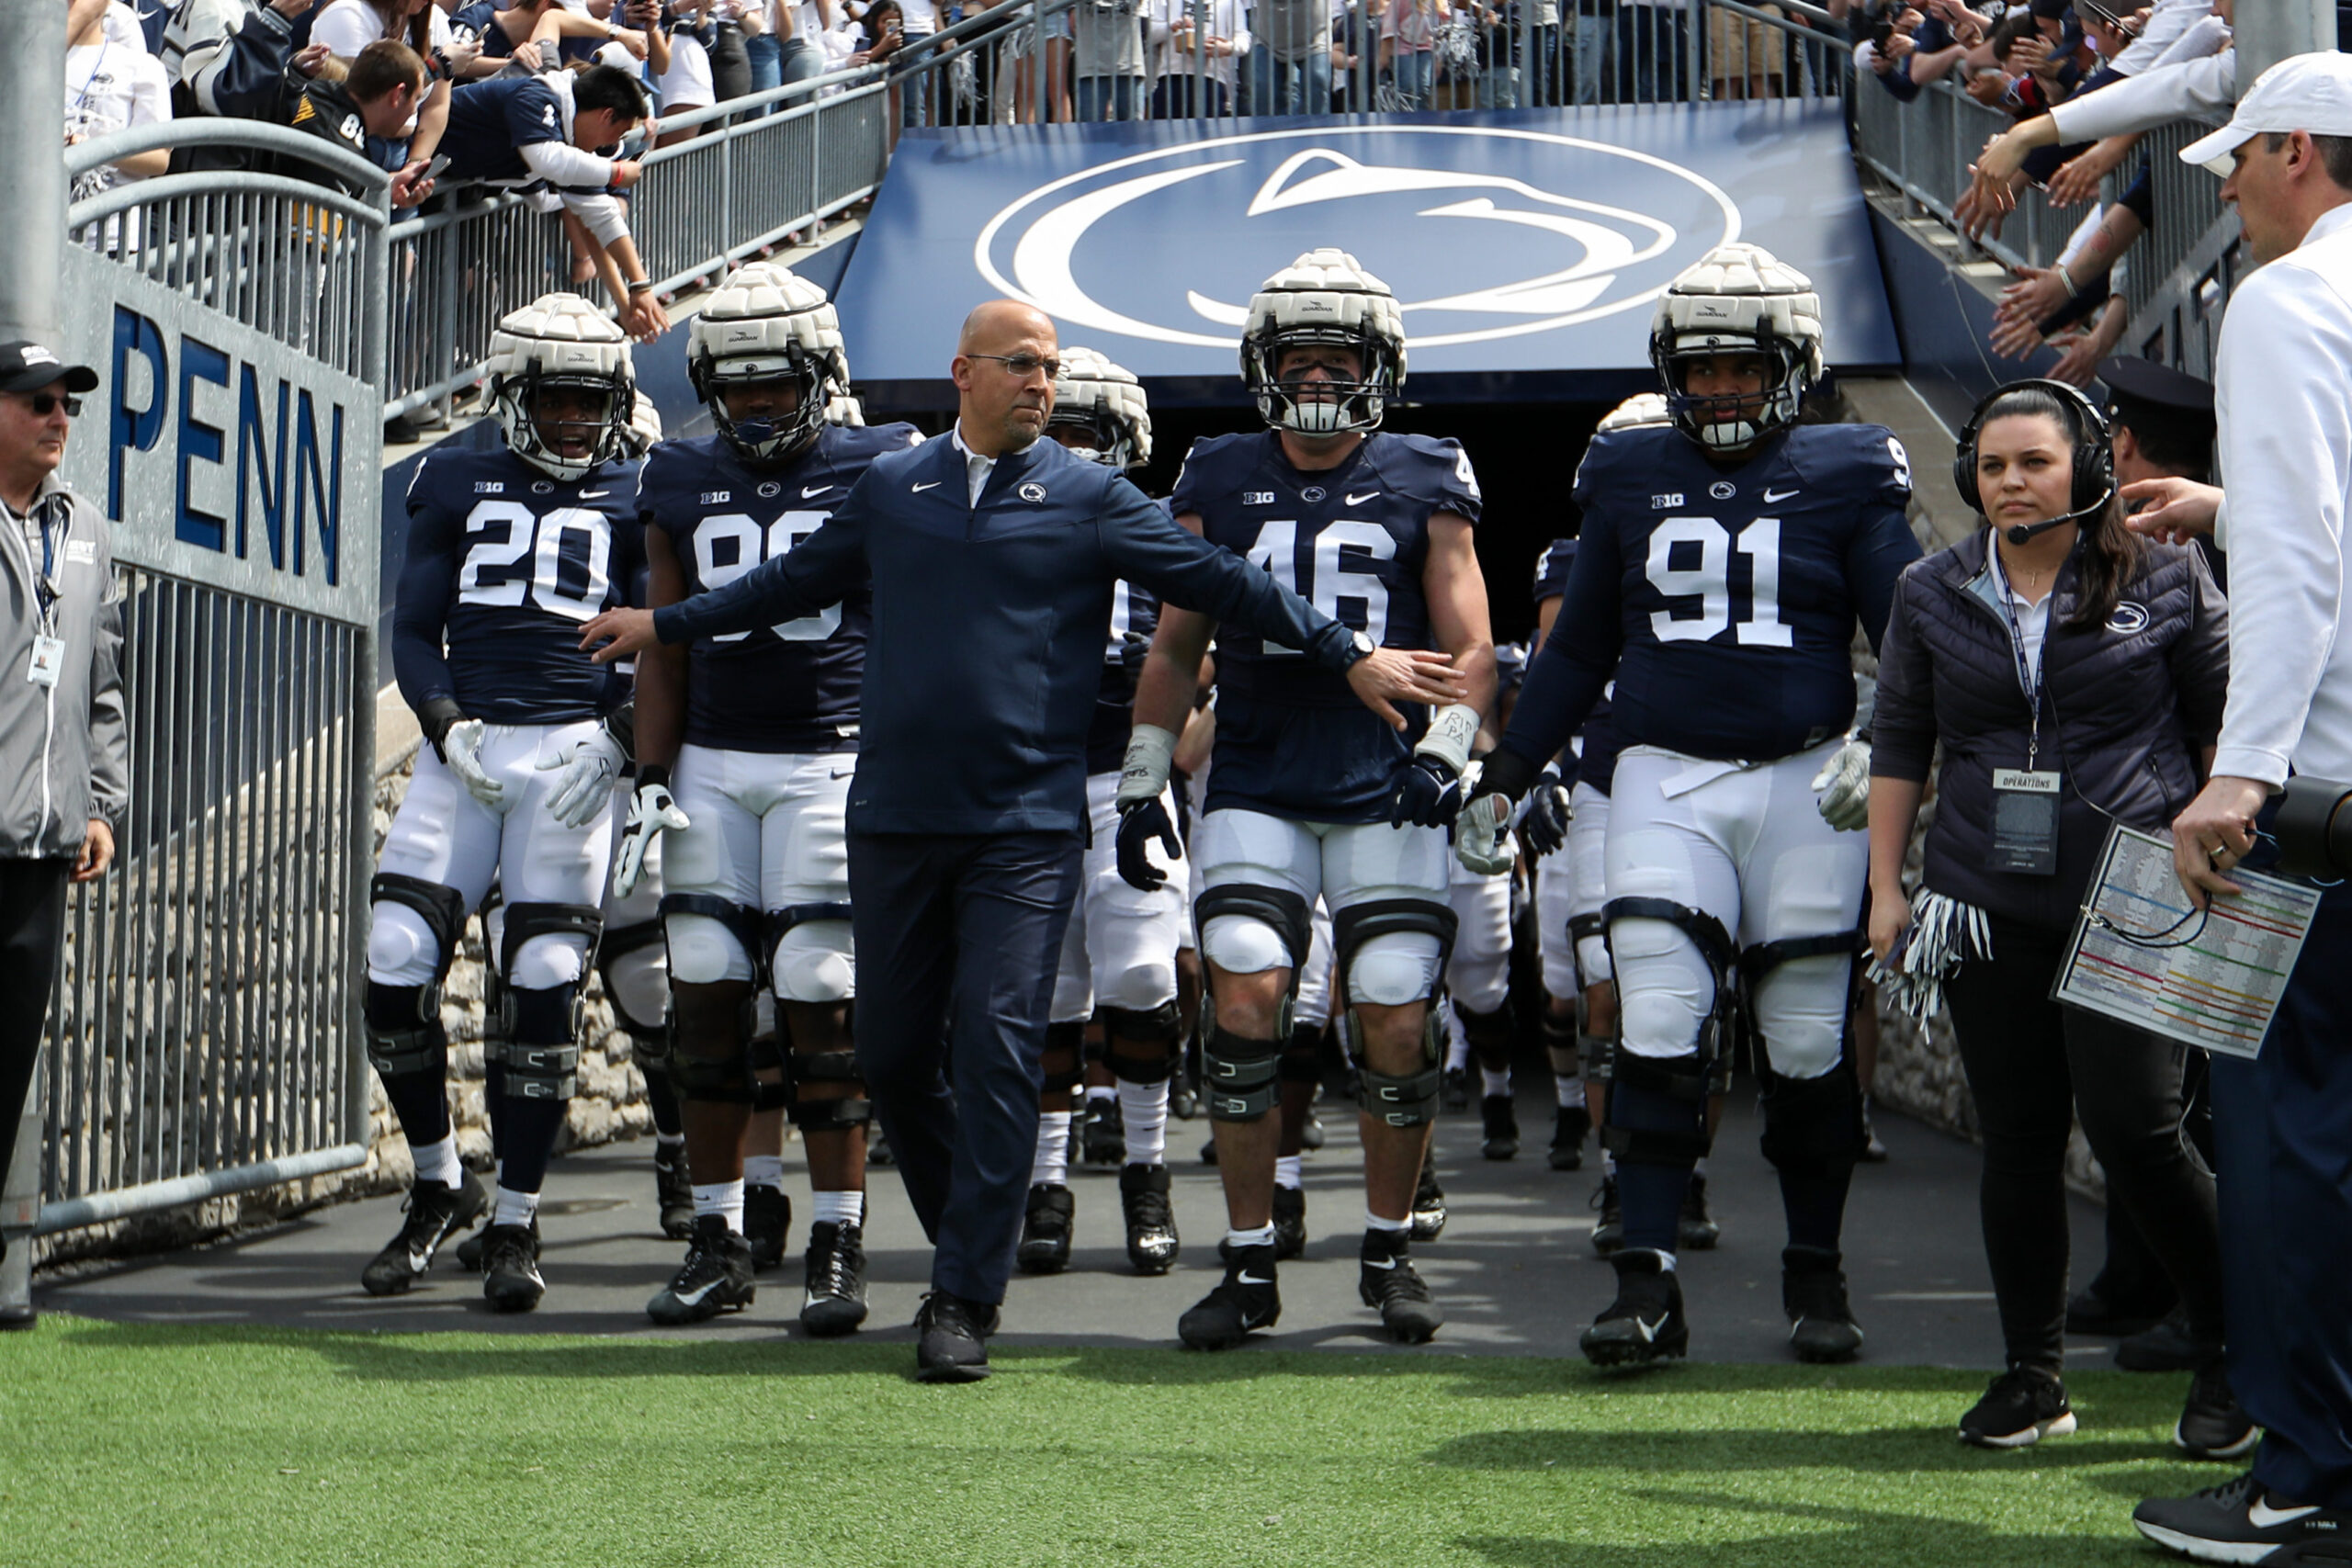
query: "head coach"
2283, 1140
993, 556
65, 753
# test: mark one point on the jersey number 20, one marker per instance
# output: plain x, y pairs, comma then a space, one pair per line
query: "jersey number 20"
752, 545
1709, 580
569, 550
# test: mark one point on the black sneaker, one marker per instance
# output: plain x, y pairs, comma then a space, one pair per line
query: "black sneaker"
1152, 1241
1812, 1291
2212, 1425
1873, 1152
1046, 1230
1502, 1127
1386, 1281
1456, 1089
1569, 1126
1608, 1230
836, 1300
1290, 1222
951, 1338
1644, 1324
2022, 1406
2169, 1347
716, 1278
1244, 1301
1428, 1202
673, 1192
435, 1212
1103, 1138
767, 1221
510, 1268
2239, 1521
1696, 1231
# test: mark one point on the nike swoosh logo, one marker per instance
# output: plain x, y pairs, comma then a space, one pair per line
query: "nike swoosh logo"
593, 494
807, 490
1380, 1263
1355, 500
933, 485
695, 1296
2263, 1516
1250, 1279
843, 773
1649, 1330
1774, 497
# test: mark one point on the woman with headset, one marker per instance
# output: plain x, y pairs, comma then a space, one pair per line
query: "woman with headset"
2073, 674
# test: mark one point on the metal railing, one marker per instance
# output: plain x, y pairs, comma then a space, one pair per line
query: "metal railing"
207, 1027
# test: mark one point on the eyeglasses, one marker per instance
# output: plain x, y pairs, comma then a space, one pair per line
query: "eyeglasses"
46, 403
1024, 366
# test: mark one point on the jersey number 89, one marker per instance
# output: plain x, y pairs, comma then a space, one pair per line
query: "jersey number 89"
752, 545
1708, 580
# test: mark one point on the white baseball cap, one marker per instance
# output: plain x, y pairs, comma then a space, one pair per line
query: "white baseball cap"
2311, 93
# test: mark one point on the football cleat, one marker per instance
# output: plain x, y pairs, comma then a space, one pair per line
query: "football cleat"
1046, 1230
1290, 1222
510, 1268
1608, 1230
1152, 1241
716, 1278
1697, 1231
1428, 1202
1246, 1300
767, 1222
836, 1279
1386, 1281
1456, 1089
434, 1213
1812, 1291
1569, 1130
1501, 1141
1103, 1138
1644, 1324
673, 1191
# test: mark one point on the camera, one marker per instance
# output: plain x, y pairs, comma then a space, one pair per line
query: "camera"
2313, 829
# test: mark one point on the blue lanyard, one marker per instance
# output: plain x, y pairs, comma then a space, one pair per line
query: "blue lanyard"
2029, 670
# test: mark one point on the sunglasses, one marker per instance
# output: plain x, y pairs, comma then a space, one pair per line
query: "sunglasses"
47, 403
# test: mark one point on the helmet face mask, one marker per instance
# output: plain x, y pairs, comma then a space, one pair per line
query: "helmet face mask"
1731, 420
1738, 301
768, 328
560, 387
1324, 300
794, 392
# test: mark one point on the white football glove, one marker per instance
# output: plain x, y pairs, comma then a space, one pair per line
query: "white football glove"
1843, 786
1482, 835
461, 749
590, 766
652, 809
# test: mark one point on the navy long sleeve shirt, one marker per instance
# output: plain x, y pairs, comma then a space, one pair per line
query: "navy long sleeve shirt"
987, 648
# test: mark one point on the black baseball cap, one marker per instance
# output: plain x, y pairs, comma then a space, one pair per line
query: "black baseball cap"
26, 366
2160, 387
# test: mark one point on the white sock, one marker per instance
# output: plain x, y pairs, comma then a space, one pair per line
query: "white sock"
516, 1208
1052, 1167
1262, 1237
1457, 1040
1143, 1107
762, 1170
1372, 1222
837, 1208
1099, 1091
669, 1143
1290, 1171
438, 1161
722, 1197
1494, 1083
1570, 1091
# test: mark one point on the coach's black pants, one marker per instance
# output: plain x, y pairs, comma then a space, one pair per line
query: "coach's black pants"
958, 939
32, 922
2282, 1125
2034, 1066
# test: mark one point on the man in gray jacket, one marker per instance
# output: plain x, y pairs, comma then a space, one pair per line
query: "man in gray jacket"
65, 753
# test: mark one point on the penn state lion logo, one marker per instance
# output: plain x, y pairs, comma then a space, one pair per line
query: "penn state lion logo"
2127, 618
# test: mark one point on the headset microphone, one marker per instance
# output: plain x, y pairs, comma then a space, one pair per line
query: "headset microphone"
2024, 533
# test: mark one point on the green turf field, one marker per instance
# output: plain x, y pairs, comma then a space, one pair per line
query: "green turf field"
197, 1446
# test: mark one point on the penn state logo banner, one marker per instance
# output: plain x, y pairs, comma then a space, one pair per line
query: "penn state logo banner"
1527, 248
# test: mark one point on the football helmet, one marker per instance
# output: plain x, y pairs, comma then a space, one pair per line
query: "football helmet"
765, 323
1107, 401
1640, 410
561, 341
1738, 299
1324, 297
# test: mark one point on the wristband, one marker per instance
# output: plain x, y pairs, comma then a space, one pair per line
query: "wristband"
435, 717
641, 286
2065, 279
1452, 729
1151, 750
654, 775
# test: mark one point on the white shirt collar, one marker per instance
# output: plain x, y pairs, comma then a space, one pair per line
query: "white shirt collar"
977, 468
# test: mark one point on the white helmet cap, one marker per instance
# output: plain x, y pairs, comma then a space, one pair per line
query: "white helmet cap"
560, 339
764, 324
1738, 299
1106, 399
644, 426
1325, 297
846, 410
1641, 408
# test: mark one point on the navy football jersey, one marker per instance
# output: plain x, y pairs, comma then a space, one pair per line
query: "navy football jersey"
492, 120
504, 565
1723, 600
1591, 757
1292, 739
792, 687
1132, 610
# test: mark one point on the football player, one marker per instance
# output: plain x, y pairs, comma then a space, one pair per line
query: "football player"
746, 745
1306, 799
509, 551
1724, 564
1478, 984
1118, 959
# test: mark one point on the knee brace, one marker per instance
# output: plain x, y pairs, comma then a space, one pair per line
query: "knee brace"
405, 1033
626, 982
1589, 927
1357, 924
805, 968
1560, 1042
1242, 911
1813, 1127
1683, 1081
1718, 1030
1237, 1072
1068, 1042
1758, 961
700, 955
1158, 1026
534, 1032
844, 1113
441, 907
710, 1031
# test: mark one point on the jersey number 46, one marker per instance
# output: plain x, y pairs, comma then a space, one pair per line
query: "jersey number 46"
1329, 584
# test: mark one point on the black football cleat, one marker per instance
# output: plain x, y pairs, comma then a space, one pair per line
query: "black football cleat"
1697, 1231
510, 1268
1103, 1140
716, 1278
1456, 1089
1152, 1241
434, 1213
1387, 1282
1245, 1301
1644, 1324
1570, 1129
1290, 1222
767, 1223
1812, 1291
673, 1193
1501, 1138
1608, 1230
1428, 1202
1046, 1230
835, 1302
